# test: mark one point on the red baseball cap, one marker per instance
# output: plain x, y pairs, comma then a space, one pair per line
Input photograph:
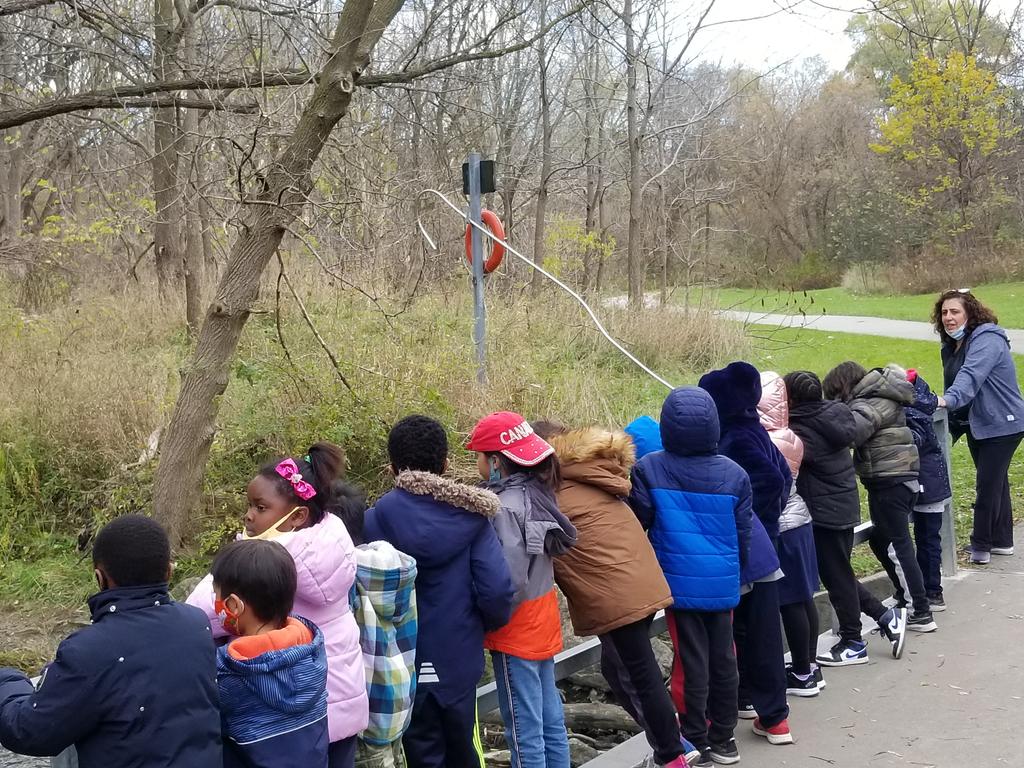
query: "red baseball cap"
511, 435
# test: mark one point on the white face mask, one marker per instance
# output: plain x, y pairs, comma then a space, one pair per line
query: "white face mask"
273, 532
957, 333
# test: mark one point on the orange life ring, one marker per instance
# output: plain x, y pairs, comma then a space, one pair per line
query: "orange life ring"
492, 222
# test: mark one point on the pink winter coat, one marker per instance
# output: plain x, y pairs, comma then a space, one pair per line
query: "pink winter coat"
325, 564
774, 412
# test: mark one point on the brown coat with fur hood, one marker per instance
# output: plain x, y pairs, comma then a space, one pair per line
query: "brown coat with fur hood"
611, 577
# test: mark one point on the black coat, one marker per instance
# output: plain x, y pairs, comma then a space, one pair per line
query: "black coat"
135, 689
934, 476
827, 480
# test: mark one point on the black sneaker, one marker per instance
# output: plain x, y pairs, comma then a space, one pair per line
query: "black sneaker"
845, 654
893, 625
798, 686
704, 761
819, 678
921, 621
746, 712
725, 752
936, 602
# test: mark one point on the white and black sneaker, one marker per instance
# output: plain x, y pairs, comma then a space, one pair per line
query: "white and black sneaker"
921, 621
746, 712
845, 653
804, 686
725, 752
819, 678
893, 626
1004, 551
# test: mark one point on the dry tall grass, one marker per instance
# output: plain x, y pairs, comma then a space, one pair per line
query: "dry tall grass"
87, 384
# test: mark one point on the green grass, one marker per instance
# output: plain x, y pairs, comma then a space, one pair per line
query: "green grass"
1006, 299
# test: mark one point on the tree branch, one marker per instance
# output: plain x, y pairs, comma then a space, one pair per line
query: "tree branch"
12, 7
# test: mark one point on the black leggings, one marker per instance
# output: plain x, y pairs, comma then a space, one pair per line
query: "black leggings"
800, 621
633, 673
993, 513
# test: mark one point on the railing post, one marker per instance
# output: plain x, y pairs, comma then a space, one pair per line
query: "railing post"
940, 421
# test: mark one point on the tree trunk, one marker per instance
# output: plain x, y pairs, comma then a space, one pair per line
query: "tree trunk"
194, 256
634, 259
164, 165
537, 279
279, 202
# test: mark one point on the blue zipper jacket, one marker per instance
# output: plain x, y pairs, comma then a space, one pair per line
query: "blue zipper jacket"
135, 689
463, 586
987, 383
933, 475
695, 505
736, 390
274, 706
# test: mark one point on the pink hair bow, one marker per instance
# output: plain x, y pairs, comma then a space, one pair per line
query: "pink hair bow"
289, 470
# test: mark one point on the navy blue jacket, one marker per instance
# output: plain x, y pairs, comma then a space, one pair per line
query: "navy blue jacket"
933, 476
695, 505
274, 706
736, 390
463, 585
135, 689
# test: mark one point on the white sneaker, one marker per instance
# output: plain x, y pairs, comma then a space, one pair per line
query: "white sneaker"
1006, 551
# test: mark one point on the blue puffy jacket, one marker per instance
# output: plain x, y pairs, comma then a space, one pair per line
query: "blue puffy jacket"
463, 585
274, 706
933, 476
135, 689
695, 505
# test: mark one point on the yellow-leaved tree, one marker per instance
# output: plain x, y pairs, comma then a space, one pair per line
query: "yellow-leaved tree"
947, 130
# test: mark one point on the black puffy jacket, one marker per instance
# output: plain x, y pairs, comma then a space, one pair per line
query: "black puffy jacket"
137, 688
827, 480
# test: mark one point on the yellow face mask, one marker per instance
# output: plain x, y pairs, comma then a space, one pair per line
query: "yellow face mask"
273, 532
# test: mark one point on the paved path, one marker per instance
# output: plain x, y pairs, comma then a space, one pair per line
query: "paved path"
870, 326
956, 698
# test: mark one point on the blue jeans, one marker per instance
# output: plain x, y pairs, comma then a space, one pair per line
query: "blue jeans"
532, 711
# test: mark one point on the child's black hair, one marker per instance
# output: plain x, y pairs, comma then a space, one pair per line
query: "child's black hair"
322, 465
349, 503
418, 443
803, 387
548, 472
841, 380
133, 551
261, 573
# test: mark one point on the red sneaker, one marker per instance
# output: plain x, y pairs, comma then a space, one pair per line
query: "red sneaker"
777, 734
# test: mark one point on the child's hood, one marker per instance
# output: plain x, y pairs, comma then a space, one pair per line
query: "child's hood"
439, 517
596, 456
645, 434
386, 577
889, 383
292, 680
736, 390
689, 422
545, 528
774, 406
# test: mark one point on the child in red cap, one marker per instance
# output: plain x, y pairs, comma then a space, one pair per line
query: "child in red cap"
522, 470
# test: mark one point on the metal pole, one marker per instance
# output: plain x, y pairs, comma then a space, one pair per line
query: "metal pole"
941, 424
479, 310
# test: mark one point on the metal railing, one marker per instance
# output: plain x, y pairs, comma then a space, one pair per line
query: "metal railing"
588, 653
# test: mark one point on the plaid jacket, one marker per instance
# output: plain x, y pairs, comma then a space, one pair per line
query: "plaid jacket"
384, 604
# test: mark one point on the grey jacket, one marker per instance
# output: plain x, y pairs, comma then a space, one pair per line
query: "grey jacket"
883, 443
987, 383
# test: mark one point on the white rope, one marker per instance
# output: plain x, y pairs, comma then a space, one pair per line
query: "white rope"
462, 214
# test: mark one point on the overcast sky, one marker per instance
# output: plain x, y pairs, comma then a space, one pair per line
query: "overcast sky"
779, 30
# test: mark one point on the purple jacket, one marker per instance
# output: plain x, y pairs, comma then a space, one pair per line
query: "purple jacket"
326, 567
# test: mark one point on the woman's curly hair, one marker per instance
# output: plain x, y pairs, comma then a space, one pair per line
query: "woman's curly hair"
977, 313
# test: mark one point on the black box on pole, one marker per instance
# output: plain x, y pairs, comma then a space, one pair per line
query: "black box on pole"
486, 177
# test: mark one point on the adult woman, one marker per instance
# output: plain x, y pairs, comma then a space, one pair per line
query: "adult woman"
984, 402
